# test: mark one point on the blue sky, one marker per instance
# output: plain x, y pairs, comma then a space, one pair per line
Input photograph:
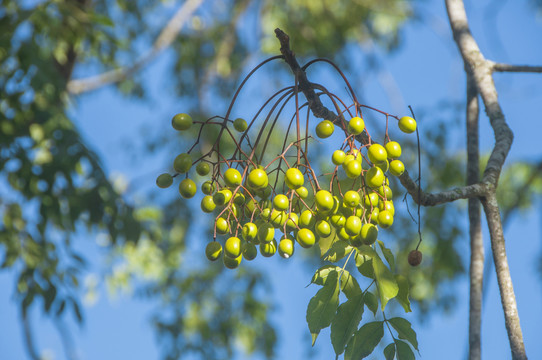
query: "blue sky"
119, 328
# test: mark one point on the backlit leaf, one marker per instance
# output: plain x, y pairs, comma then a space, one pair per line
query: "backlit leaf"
345, 323
364, 341
323, 305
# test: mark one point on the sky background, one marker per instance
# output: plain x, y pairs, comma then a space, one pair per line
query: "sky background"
426, 69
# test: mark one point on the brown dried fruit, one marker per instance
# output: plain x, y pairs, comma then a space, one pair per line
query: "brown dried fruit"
415, 258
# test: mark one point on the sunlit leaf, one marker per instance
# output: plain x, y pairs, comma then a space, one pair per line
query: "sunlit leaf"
323, 305
385, 281
402, 295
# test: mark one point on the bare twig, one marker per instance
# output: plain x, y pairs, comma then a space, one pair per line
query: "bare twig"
500, 67
164, 40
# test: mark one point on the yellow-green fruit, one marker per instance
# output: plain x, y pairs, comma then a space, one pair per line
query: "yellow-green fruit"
337, 220
324, 200
393, 149
232, 178
397, 168
368, 233
268, 249
233, 247
325, 129
385, 219
281, 202
353, 169
182, 163
203, 168
250, 252
213, 250
291, 223
356, 125
407, 124
207, 204
352, 225
181, 122
322, 228
307, 219
207, 188
222, 197
286, 247
266, 233
164, 180
377, 153
240, 125
187, 188
388, 206
257, 179
370, 200
305, 238
374, 177
302, 191
249, 232
338, 157
293, 178
278, 218
385, 192
232, 263
222, 226
351, 198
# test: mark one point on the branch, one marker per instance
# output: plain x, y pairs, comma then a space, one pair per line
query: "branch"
508, 298
476, 270
500, 67
320, 111
480, 70
164, 40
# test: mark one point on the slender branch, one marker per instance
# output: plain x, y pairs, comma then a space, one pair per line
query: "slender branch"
501, 67
508, 298
481, 70
164, 40
476, 272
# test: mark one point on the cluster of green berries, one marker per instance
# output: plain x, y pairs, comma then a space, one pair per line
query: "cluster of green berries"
252, 215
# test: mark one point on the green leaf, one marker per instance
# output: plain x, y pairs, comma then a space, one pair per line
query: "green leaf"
364, 341
320, 276
349, 285
323, 305
404, 329
339, 250
389, 351
402, 295
365, 266
404, 352
325, 243
371, 301
345, 323
388, 255
385, 282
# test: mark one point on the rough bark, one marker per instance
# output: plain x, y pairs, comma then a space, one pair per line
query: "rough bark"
476, 270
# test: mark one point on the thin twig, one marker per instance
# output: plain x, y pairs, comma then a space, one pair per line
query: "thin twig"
164, 40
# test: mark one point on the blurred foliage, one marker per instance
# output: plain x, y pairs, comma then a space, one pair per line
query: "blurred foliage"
53, 187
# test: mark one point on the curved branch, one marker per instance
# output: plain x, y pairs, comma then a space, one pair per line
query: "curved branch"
164, 40
481, 71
